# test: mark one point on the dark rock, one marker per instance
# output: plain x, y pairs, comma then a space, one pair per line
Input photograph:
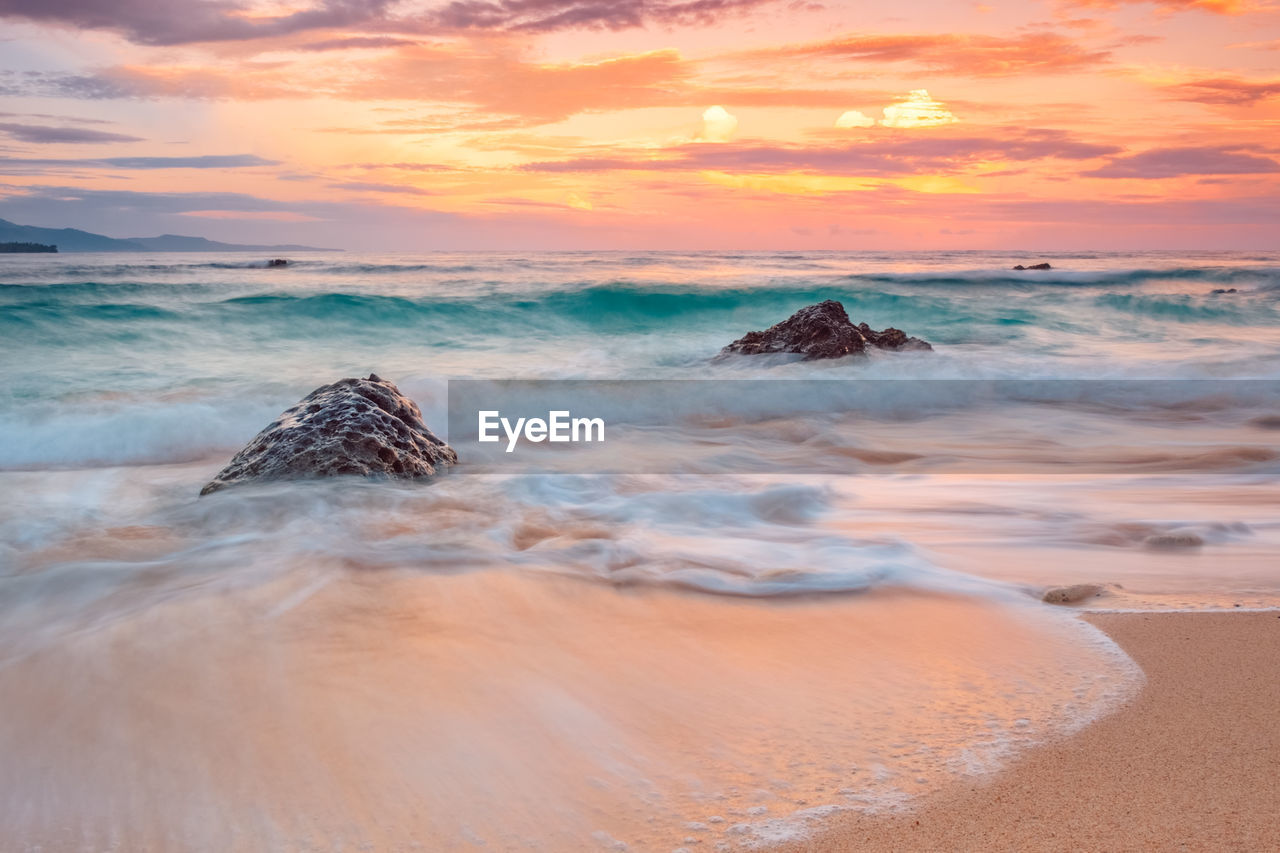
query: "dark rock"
1034, 267
1173, 541
360, 427
1225, 290
821, 331
278, 262
1073, 594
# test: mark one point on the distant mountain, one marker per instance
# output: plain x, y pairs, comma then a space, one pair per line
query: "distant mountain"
66, 239
75, 240
179, 243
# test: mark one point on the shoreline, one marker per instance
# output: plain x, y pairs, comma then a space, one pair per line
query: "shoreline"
1190, 763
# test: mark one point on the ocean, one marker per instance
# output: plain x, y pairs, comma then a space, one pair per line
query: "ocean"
793, 588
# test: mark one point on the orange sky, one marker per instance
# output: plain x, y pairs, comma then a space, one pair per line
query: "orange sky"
738, 124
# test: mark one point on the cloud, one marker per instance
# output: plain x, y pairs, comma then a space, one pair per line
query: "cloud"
1225, 90
1220, 7
961, 54
62, 118
1174, 162
917, 110
407, 167
572, 201
374, 187
194, 83
360, 224
255, 215
174, 22
39, 133
537, 92
160, 22
128, 200
500, 90
90, 87
31, 165
204, 161
359, 42
853, 118
718, 125
547, 15
896, 156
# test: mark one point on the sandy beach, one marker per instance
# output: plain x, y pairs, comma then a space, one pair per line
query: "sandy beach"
1190, 764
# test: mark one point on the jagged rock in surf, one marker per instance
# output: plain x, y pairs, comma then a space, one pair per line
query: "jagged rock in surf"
1073, 594
278, 262
1220, 290
822, 331
363, 427
1034, 267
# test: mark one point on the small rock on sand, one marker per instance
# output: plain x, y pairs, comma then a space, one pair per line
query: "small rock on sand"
1073, 594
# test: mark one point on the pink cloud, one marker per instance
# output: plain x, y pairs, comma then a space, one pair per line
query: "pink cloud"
1225, 89
1174, 162
893, 155
952, 53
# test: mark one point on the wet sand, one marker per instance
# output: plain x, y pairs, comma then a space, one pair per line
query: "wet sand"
388, 711
1192, 763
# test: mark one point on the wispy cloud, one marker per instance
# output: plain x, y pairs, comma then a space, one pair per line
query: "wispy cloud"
44, 134
1225, 89
374, 187
882, 157
407, 167
33, 165
129, 200
1175, 162
548, 15
359, 43
490, 83
962, 54
170, 23
174, 23
1218, 7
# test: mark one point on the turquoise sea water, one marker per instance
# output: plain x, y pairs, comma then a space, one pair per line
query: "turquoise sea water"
129, 380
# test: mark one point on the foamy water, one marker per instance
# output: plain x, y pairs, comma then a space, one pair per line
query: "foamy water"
777, 603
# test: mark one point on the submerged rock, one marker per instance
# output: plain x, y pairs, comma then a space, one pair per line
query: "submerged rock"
822, 331
362, 427
1034, 267
1073, 594
1174, 541
1220, 290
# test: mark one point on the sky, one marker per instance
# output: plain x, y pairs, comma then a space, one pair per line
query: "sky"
388, 125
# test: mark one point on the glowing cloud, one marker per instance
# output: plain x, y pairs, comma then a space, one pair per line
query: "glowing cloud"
917, 109
718, 125
854, 118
